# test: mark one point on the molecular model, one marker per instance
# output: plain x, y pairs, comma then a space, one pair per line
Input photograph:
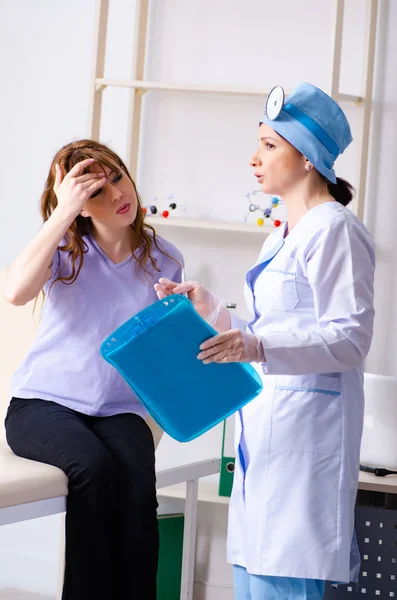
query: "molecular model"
153, 209
267, 212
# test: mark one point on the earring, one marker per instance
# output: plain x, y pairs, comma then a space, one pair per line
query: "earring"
307, 167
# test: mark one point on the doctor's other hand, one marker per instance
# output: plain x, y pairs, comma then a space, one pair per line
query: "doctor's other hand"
204, 302
232, 346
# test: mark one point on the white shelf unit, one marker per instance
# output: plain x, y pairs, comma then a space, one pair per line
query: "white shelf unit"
141, 86
208, 488
146, 86
207, 491
219, 226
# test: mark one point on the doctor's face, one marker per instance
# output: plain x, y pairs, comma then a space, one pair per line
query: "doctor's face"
278, 166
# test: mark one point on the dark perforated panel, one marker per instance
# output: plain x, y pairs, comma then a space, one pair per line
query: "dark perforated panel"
376, 530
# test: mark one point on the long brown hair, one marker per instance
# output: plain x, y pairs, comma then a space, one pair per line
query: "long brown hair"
143, 236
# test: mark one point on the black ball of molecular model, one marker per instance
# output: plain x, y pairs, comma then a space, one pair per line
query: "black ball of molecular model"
153, 209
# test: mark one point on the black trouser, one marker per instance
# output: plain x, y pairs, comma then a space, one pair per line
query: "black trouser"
111, 523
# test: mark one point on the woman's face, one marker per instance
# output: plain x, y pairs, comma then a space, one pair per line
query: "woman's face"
115, 204
278, 166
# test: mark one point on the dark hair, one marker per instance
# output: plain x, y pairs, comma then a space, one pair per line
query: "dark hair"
342, 191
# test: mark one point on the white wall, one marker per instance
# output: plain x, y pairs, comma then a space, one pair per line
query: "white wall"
381, 207
196, 147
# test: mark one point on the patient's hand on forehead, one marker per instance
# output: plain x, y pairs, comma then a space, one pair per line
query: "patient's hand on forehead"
76, 187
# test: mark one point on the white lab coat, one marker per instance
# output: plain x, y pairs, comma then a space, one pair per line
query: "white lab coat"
298, 442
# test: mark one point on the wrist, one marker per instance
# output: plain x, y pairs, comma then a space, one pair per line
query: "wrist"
223, 321
64, 215
261, 357
213, 316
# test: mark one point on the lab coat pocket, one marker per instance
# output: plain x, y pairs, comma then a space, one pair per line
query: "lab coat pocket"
280, 282
307, 414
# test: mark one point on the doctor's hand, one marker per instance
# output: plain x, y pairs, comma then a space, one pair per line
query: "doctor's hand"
204, 302
232, 346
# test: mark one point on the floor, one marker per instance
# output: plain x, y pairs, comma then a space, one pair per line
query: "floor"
12, 594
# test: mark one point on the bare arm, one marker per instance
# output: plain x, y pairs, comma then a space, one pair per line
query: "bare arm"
32, 268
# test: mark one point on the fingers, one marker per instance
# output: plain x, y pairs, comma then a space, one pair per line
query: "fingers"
219, 359
80, 166
162, 292
222, 348
213, 346
166, 287
178, 288
211, 353
161, 295
86, 178
89, 177
167, 283
207, 356
95, 185
185, 287
217, 356
216, 340
58, 176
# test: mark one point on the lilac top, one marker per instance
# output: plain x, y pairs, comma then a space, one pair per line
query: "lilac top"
64, 364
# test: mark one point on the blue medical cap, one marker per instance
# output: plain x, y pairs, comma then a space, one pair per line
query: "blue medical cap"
315, 125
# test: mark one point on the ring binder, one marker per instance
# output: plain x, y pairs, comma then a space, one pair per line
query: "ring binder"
156, 353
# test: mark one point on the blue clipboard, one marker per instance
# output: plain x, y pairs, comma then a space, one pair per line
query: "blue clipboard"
156, 353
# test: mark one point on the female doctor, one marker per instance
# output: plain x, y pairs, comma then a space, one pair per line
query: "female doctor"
310, 294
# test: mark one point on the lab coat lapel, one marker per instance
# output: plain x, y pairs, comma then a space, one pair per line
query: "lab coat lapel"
265, 257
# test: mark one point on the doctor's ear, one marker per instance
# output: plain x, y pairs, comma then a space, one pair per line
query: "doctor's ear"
308, 165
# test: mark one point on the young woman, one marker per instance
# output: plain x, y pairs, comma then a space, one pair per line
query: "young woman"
96, 261
310, 293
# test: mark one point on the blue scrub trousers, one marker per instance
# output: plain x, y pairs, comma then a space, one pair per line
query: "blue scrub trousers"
262, 587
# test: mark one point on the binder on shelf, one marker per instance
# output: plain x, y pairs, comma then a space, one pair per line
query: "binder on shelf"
227, 458
169, 573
